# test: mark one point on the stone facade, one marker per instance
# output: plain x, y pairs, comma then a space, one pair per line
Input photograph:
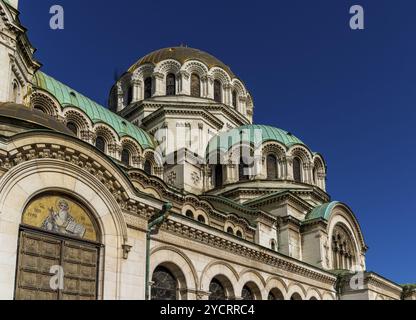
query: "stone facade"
263, 231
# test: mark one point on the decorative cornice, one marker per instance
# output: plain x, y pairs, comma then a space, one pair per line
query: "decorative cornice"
259, 254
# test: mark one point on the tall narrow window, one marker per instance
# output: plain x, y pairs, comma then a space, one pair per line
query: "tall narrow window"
100, 144
130, 95
235, 99
218, 176
125, 157
73, 127
217, 91
170, 84
271, 167
297, 167
148, 88
195, 85
243, 169
230, 230
148, 167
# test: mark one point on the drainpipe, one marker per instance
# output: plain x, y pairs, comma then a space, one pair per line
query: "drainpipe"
153, 226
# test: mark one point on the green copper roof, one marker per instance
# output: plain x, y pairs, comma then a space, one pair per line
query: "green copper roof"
227, 139
322, 211
68, 97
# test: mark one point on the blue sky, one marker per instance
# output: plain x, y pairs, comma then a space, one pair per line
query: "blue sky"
350, 95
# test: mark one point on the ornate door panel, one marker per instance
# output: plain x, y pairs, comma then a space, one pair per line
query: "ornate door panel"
80, 266
38, 252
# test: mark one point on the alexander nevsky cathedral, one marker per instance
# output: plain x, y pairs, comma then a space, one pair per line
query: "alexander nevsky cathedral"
169, 192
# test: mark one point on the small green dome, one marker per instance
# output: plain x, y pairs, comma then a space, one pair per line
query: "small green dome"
226, 140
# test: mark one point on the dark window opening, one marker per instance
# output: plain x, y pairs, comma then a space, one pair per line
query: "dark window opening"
125, 157
217, 290
297, 174
164, 285
195, 85
217, 91
73, 127
272, 167
100, 144
170, 84
148, 88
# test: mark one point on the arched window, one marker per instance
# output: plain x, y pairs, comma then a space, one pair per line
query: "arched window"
201, 218
297, 170
235, 99
218, 176
170, 84
230, 230
217, 290
275, 294
148, 167
195, 85
239, 234
73, 127
189, 214
217, 91
125, 157
247, 293
296, 296
164, 286
343, 256
100, 143
148, 88
272, 172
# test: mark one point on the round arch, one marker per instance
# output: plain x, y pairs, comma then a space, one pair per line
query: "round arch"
222, 271
275, 286
254, 281
29, 179
297, 289
313, 294
181, 267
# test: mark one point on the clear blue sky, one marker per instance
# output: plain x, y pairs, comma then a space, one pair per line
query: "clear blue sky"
350, 95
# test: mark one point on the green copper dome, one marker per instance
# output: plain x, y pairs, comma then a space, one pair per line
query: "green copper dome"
68, 97
321, 212
252, 134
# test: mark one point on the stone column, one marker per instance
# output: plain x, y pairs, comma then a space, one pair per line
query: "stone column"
242, 105
184, 85
137, 90
289, 167
88, 136
159, 81
226, 89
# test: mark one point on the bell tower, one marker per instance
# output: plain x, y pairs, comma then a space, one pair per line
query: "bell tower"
17, 65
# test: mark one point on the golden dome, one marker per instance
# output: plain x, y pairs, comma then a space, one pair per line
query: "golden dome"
181, 54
